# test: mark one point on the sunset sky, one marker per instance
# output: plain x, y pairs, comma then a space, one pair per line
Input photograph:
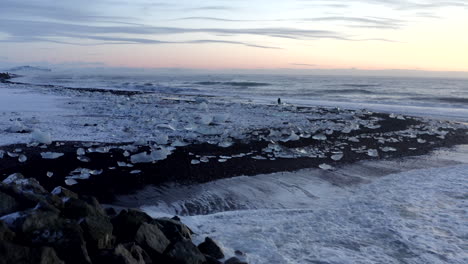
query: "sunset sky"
243, 34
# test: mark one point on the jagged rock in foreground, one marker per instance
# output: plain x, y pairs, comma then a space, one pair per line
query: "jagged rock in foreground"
63, 227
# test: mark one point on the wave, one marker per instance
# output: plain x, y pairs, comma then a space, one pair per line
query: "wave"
360, 85
460, 100
348, 91
237, 84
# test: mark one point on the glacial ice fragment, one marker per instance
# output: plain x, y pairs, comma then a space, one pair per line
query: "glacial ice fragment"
337, 157
51, 155
372, 153
324, 166
141, 158
22, 158
195, 162
41, 137
50, 174
80, 152
320, 137
70, 182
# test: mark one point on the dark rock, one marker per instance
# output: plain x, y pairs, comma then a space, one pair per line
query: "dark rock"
111, 212
5, 233
210, 248
235, 260
29, 185
12, 253
97, 232
185, 252
151, 239
138, 253
8, 204
119, 255
174, 230
211, 260
127, 223
77, 209
176, 218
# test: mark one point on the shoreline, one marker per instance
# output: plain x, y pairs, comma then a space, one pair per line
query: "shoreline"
102, 176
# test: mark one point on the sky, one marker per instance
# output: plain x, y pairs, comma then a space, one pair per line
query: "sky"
429, 35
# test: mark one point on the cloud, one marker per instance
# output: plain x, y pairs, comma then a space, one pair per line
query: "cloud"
304, 64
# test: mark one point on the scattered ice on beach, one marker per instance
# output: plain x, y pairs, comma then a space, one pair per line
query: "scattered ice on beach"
41, 137
22, 158
225, 144
195, 162
80, 152
373, 153
49, 174
124, 164
320, 137
142, 157
204, 159
325, 166
51, 155
354, 139
421, 141
126, 153
258, 157
135, 172
337, 157
70, 182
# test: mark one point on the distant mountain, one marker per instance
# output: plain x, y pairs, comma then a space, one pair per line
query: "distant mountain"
29, 69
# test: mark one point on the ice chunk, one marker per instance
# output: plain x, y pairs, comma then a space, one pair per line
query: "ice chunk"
388, 149
50, 174
70, 182
161, 139
165, 126
320, 137
225, 144
222, 160
160, 154
373, 153
135, 172
18, 127
353, 139
12, 154
41, 137
141, 158
179, 143
220, 118
126, 153
206, 119
83, 159
325, 166
203, 105
204, 159
292, 137
258, 157
421, 141
51, 155
2, 153
195, 162
22, 158
80, 152
337, 157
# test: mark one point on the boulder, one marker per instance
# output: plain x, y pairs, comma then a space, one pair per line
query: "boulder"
185, 252
211, 260
63, 193
78, 208
119, 255
12, 253
210, 248
8, 204
97, 232
5, 233
151, 239
127, 223
173, 229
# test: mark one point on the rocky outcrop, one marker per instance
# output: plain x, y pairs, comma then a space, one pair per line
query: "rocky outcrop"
63, 227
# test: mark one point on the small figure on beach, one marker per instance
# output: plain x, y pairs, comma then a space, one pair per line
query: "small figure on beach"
279, 101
